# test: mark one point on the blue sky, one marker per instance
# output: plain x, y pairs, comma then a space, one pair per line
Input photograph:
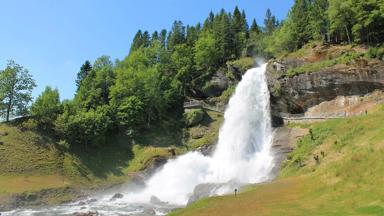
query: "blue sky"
53, 38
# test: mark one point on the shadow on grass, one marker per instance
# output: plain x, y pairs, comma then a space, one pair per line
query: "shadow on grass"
105, 160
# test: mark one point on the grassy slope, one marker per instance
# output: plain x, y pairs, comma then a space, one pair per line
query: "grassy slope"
30, 162
318, 57
26, 159
347, 181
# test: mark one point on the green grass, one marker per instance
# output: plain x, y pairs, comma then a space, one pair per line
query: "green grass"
19, 184
347, 181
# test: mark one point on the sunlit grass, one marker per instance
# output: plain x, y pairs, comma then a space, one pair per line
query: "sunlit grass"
347, 180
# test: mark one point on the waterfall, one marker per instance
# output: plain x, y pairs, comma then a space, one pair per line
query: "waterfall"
242, 155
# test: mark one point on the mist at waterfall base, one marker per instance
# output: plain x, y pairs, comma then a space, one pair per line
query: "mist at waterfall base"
242, 156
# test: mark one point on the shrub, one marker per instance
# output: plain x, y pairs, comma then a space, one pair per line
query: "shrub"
193, 117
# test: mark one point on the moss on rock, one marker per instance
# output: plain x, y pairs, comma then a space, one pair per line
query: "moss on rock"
193, 117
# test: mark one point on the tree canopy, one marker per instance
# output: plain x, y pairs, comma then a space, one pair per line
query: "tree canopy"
16, 85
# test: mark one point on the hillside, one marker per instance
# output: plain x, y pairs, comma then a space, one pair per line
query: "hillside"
36, 169
347, 180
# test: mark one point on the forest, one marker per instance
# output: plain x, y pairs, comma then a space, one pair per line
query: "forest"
166, 67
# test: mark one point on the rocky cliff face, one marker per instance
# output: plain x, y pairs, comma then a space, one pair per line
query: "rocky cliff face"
298, 93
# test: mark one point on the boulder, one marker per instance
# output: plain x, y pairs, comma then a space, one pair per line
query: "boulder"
117, 196
156, 201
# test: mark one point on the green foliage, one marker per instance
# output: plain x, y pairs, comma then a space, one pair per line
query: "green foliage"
16, 85
86, 128
375, 52
241, 65
94, 89
130, 114
193, 117
346, 58
47, 107
206, 53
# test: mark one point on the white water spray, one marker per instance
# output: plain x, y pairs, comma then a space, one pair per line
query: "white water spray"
242, 155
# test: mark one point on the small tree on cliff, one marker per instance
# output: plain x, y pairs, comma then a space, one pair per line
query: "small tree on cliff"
16, 85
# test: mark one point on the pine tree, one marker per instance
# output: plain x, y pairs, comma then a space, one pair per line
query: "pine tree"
254, 27
155, 36
208, 23
270, 22
192, 34
177, 35
146, 39
299, 17
137, 41
224, 37
240, 31
319, 23
163, 37
85, 69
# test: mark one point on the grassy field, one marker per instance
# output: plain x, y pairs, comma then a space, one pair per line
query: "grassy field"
347, 179
30, 162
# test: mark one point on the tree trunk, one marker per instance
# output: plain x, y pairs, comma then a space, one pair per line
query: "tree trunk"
9, 106
349, 38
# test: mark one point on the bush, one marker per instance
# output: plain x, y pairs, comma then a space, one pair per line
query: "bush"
46, 108
375, 52
240, 66
86, 128
193, 117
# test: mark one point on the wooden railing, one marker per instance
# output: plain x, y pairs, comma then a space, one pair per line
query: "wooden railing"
288, 116
200, 104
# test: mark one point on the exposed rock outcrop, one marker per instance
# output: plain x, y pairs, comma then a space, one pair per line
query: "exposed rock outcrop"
218, 83
284, 141
298, 93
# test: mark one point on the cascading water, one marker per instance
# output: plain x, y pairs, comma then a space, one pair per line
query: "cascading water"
242, 155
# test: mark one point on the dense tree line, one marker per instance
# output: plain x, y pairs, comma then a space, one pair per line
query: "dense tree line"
332, 21
164, 68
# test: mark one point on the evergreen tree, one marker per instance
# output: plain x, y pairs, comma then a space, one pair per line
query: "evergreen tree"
137, 41
254, 27
208, 23
318, 18
85, 69
155, 37
192, 35
224, 37
270, 22
177, 35
146, 39
299, 18
163, 37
